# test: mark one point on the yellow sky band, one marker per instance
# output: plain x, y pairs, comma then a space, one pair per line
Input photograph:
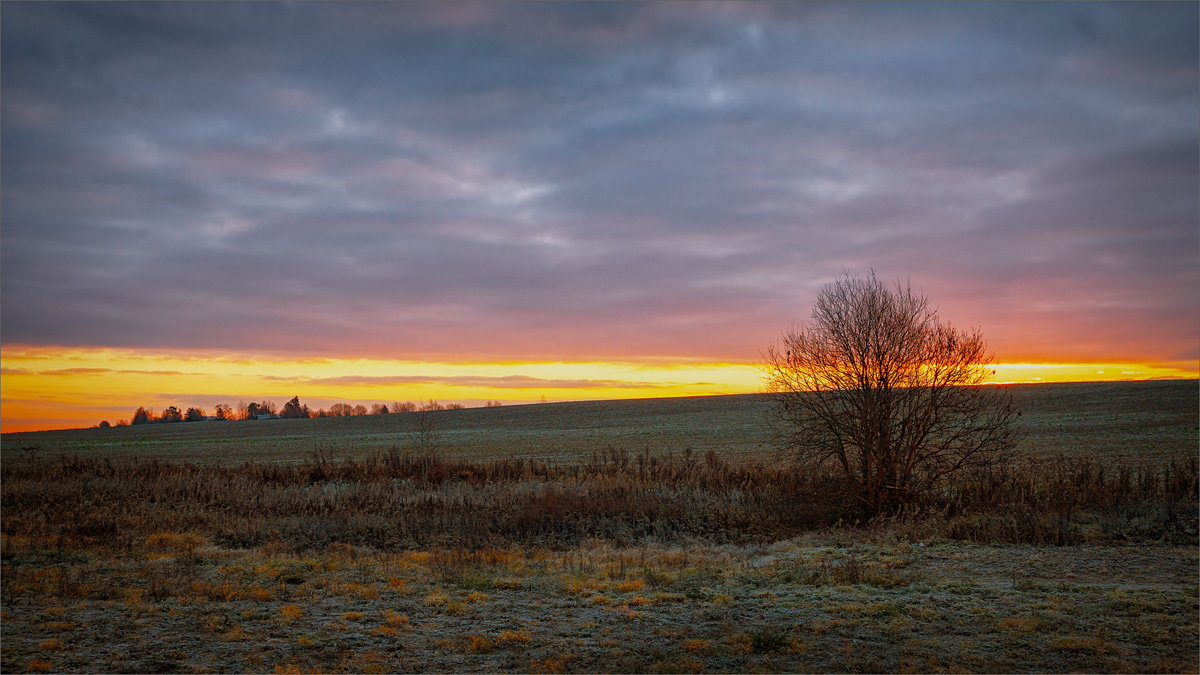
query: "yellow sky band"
45, 387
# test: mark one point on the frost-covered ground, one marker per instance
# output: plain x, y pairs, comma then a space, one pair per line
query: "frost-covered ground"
830, 602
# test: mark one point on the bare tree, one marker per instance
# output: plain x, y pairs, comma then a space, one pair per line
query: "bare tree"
426, 437
882, 391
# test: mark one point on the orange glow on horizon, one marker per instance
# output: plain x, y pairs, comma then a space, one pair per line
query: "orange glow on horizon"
67, 387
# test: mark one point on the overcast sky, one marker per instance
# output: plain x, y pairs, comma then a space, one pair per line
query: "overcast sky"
595, 181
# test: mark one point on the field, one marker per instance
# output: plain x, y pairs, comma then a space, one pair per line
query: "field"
1131, 421
635, 536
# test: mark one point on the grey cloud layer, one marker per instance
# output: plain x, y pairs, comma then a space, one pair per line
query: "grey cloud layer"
595, 180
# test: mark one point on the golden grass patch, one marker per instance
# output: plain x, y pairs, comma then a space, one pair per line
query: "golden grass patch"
550, 665
394, 620
39, 666
479, 644
698, 646
360, 591
508, 637
630, 585
182, 542
291, 612
1021, 623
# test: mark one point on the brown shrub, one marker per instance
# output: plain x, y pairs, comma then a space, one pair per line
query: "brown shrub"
470, 514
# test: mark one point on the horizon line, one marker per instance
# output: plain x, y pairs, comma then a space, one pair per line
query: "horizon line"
1165, 378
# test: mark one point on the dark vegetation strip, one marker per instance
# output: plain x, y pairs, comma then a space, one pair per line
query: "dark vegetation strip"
399, 500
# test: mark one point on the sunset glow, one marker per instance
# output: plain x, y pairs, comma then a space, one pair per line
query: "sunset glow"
47, 388
469, 202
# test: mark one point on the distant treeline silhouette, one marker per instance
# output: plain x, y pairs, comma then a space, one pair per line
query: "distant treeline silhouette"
293, 409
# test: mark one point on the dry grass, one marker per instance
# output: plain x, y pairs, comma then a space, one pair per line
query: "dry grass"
471, 514
619, 562
927, 605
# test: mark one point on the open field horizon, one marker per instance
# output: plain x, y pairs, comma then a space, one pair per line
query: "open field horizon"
55, 388
1134, 420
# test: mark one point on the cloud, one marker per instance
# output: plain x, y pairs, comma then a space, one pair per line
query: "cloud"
598, 180
489, 382
99, 371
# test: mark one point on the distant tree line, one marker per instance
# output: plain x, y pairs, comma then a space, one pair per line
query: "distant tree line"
293, 409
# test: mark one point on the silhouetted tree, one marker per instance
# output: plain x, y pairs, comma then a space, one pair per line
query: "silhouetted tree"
142, 416
379, 409
407, 406
883, 391
223, 412
293, 410
252, 411
104, 424
171, 414
194, 415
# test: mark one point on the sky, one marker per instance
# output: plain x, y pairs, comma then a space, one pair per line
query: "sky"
201, 203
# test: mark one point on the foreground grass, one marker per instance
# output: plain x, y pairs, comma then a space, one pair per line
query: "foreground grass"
625, 563
1081, 556
829, 602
